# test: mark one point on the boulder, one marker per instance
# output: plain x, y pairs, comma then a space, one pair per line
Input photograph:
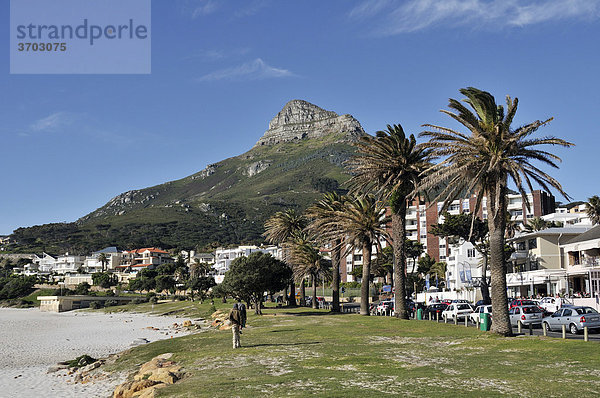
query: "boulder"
187, 324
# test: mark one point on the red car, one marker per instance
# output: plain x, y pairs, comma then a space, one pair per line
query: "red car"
520, 302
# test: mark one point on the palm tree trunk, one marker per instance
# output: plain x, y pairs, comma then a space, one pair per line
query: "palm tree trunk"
313, 279
335, 283
398, 237
497, 222
366, 274
302, 294
292, 298
485, 289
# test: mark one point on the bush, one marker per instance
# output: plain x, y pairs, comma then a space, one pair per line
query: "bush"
96, 305
180, 298
139, 300
153, 300
111, 303
350, 285
81, 361
149, 295
212, 309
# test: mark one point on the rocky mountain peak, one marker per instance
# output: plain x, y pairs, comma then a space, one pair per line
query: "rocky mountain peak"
300, 120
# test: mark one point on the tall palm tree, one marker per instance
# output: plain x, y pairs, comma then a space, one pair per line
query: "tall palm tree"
483, 162
280, 229
308, 261
391, 165
322, 214
362, 223
103, 260
593, 209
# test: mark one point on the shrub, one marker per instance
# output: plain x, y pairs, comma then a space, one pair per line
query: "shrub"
111, 303
212, 309
96, 305
139, 300
81, 361
153, 300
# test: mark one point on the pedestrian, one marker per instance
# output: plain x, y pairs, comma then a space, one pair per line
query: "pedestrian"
235, 317
242, 308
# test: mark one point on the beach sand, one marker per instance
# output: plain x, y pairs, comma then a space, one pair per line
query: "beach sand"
31, 341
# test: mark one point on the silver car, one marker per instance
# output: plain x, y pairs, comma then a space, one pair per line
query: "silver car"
574, 318
527, 314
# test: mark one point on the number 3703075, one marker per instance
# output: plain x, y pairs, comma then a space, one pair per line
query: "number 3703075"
42, 47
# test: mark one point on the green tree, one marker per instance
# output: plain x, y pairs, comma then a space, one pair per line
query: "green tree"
593, 209
391, 165
250, 277
414, 249
200, 285
281, 229
103, 261
308, 262
104, 279
459, 228
322, 215
164, 283
82, 289
362, 223
483, 161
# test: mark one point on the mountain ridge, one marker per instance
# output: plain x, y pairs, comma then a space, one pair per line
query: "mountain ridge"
300, 156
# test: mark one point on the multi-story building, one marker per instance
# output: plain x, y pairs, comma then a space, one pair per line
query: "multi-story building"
461, 260
138, 259
582, 259
114, 259
224, 257
537, 266
68, 263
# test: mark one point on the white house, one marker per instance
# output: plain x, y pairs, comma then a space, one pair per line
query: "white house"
224, 257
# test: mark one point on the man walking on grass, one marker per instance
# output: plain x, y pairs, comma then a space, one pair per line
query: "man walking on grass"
242, 308
235, 317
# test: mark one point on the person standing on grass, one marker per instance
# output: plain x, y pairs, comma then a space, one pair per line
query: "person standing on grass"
242, 308
235, 317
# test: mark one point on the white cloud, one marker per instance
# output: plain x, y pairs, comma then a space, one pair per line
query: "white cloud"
253, 70
52, 122
205, 7
414, 15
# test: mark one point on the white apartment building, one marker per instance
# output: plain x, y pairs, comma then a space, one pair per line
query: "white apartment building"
224, 257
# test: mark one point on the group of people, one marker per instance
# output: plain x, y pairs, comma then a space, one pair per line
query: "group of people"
237, 317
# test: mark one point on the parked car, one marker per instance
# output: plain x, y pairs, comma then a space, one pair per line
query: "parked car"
574, 318
553, 304
384, 307
527, 314
435, 309
457, 311
482, 309
521, 302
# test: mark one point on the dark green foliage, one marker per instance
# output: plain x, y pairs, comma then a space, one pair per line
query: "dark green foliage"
104, 279
324, 184
250, 277
200, 286
81, 361
96, 305
82, 289
16, 286
164, 282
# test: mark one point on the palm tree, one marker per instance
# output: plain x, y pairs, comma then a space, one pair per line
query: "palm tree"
483, 162
103, 260
361, 222
280, 229
536, 224
308, 261
593, 209
322, 214
391, 165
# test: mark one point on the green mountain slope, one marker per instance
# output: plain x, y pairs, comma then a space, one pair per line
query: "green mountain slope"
300, 156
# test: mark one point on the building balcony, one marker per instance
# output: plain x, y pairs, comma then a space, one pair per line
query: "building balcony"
411, 227
587, 262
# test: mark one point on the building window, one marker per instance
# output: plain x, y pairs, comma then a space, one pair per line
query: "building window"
521, 246
442, 258
454, 207
471, 253
423, 236
532, 243
442, 246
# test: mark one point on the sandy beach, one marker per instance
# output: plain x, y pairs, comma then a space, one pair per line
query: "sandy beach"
31, 341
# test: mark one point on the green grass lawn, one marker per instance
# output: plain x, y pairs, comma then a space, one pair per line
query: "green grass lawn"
304, 352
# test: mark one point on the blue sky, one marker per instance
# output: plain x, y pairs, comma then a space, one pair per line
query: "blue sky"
222, 69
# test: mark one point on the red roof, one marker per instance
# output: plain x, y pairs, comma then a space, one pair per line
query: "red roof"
150, 249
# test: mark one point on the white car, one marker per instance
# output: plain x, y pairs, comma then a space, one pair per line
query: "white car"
457, 311
553, 304
482, 309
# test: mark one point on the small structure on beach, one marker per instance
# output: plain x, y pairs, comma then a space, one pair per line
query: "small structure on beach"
68, 303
